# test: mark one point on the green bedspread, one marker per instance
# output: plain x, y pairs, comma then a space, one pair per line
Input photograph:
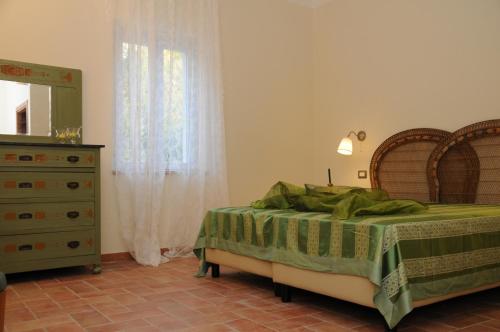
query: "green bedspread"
443, 249
342, 202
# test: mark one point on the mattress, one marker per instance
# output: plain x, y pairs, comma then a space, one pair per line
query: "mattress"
409, 258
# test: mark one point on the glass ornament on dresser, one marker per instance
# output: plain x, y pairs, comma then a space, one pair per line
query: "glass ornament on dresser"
68, 135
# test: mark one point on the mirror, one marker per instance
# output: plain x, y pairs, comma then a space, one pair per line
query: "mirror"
24, 109
37, 101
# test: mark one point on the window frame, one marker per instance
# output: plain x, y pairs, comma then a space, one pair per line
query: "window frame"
155, 57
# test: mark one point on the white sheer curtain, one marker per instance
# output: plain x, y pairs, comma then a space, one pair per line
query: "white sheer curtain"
169, 133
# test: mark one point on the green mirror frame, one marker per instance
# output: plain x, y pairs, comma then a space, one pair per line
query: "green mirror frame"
66, 95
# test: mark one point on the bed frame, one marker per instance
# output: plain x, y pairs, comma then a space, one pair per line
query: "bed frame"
459, 167
465, 166
399, 165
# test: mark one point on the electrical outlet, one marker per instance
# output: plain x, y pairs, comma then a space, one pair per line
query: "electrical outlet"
362, 174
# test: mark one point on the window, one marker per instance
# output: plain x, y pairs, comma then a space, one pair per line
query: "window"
174, 101
156, 97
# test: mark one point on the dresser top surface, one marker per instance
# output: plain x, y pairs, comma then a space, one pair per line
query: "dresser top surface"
52, 145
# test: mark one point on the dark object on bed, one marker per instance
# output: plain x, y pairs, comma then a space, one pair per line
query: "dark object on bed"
465, 166
399, 165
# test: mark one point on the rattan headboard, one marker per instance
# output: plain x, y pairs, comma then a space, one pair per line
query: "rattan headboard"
399, 165
465, 167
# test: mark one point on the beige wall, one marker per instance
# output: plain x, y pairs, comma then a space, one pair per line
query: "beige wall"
39, 110
389, 65
12, 95
267, 67
382, 66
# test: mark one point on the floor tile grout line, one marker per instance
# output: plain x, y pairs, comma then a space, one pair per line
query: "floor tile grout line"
195, 292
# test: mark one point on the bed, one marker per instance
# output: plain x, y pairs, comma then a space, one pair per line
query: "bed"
392, 263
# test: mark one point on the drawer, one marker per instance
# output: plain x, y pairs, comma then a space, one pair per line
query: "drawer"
46, 157
33, 217
41, 185
50, 245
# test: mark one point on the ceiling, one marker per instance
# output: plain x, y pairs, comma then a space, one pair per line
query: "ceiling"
310, 3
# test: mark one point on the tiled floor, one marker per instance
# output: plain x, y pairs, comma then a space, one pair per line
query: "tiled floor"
128, 297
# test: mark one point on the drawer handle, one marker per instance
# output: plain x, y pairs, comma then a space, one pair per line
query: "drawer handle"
73, 185
73, 214
73, 244
25, 157
26, 215
73, 159
25, 185
25, 247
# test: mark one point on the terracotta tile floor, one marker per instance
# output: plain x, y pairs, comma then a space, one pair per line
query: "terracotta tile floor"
128, 297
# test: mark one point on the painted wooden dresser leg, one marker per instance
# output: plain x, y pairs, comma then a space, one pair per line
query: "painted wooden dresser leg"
96, 269
388, 329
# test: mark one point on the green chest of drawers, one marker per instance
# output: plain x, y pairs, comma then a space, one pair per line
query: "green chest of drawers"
49, 206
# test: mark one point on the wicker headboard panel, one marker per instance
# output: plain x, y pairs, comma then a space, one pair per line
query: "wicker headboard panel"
465, 167
399, 165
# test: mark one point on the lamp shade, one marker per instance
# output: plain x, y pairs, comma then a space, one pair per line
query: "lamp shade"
345, 146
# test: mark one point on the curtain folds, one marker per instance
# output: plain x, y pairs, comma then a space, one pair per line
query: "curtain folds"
169, 152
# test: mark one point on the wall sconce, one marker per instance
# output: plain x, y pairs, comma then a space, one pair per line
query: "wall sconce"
345, 146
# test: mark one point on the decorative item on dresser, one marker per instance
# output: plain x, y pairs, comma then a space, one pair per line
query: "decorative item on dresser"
49, 206
49, 191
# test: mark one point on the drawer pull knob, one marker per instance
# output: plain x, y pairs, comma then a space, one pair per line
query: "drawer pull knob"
25, 185
25, 247
26, 215
73, 185
73, 159
26, 158
73, 214
73, 244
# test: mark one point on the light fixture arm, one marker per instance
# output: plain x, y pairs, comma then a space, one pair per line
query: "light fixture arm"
345, 146
360, 135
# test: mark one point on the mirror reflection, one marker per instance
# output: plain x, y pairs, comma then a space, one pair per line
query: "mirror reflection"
24, 109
